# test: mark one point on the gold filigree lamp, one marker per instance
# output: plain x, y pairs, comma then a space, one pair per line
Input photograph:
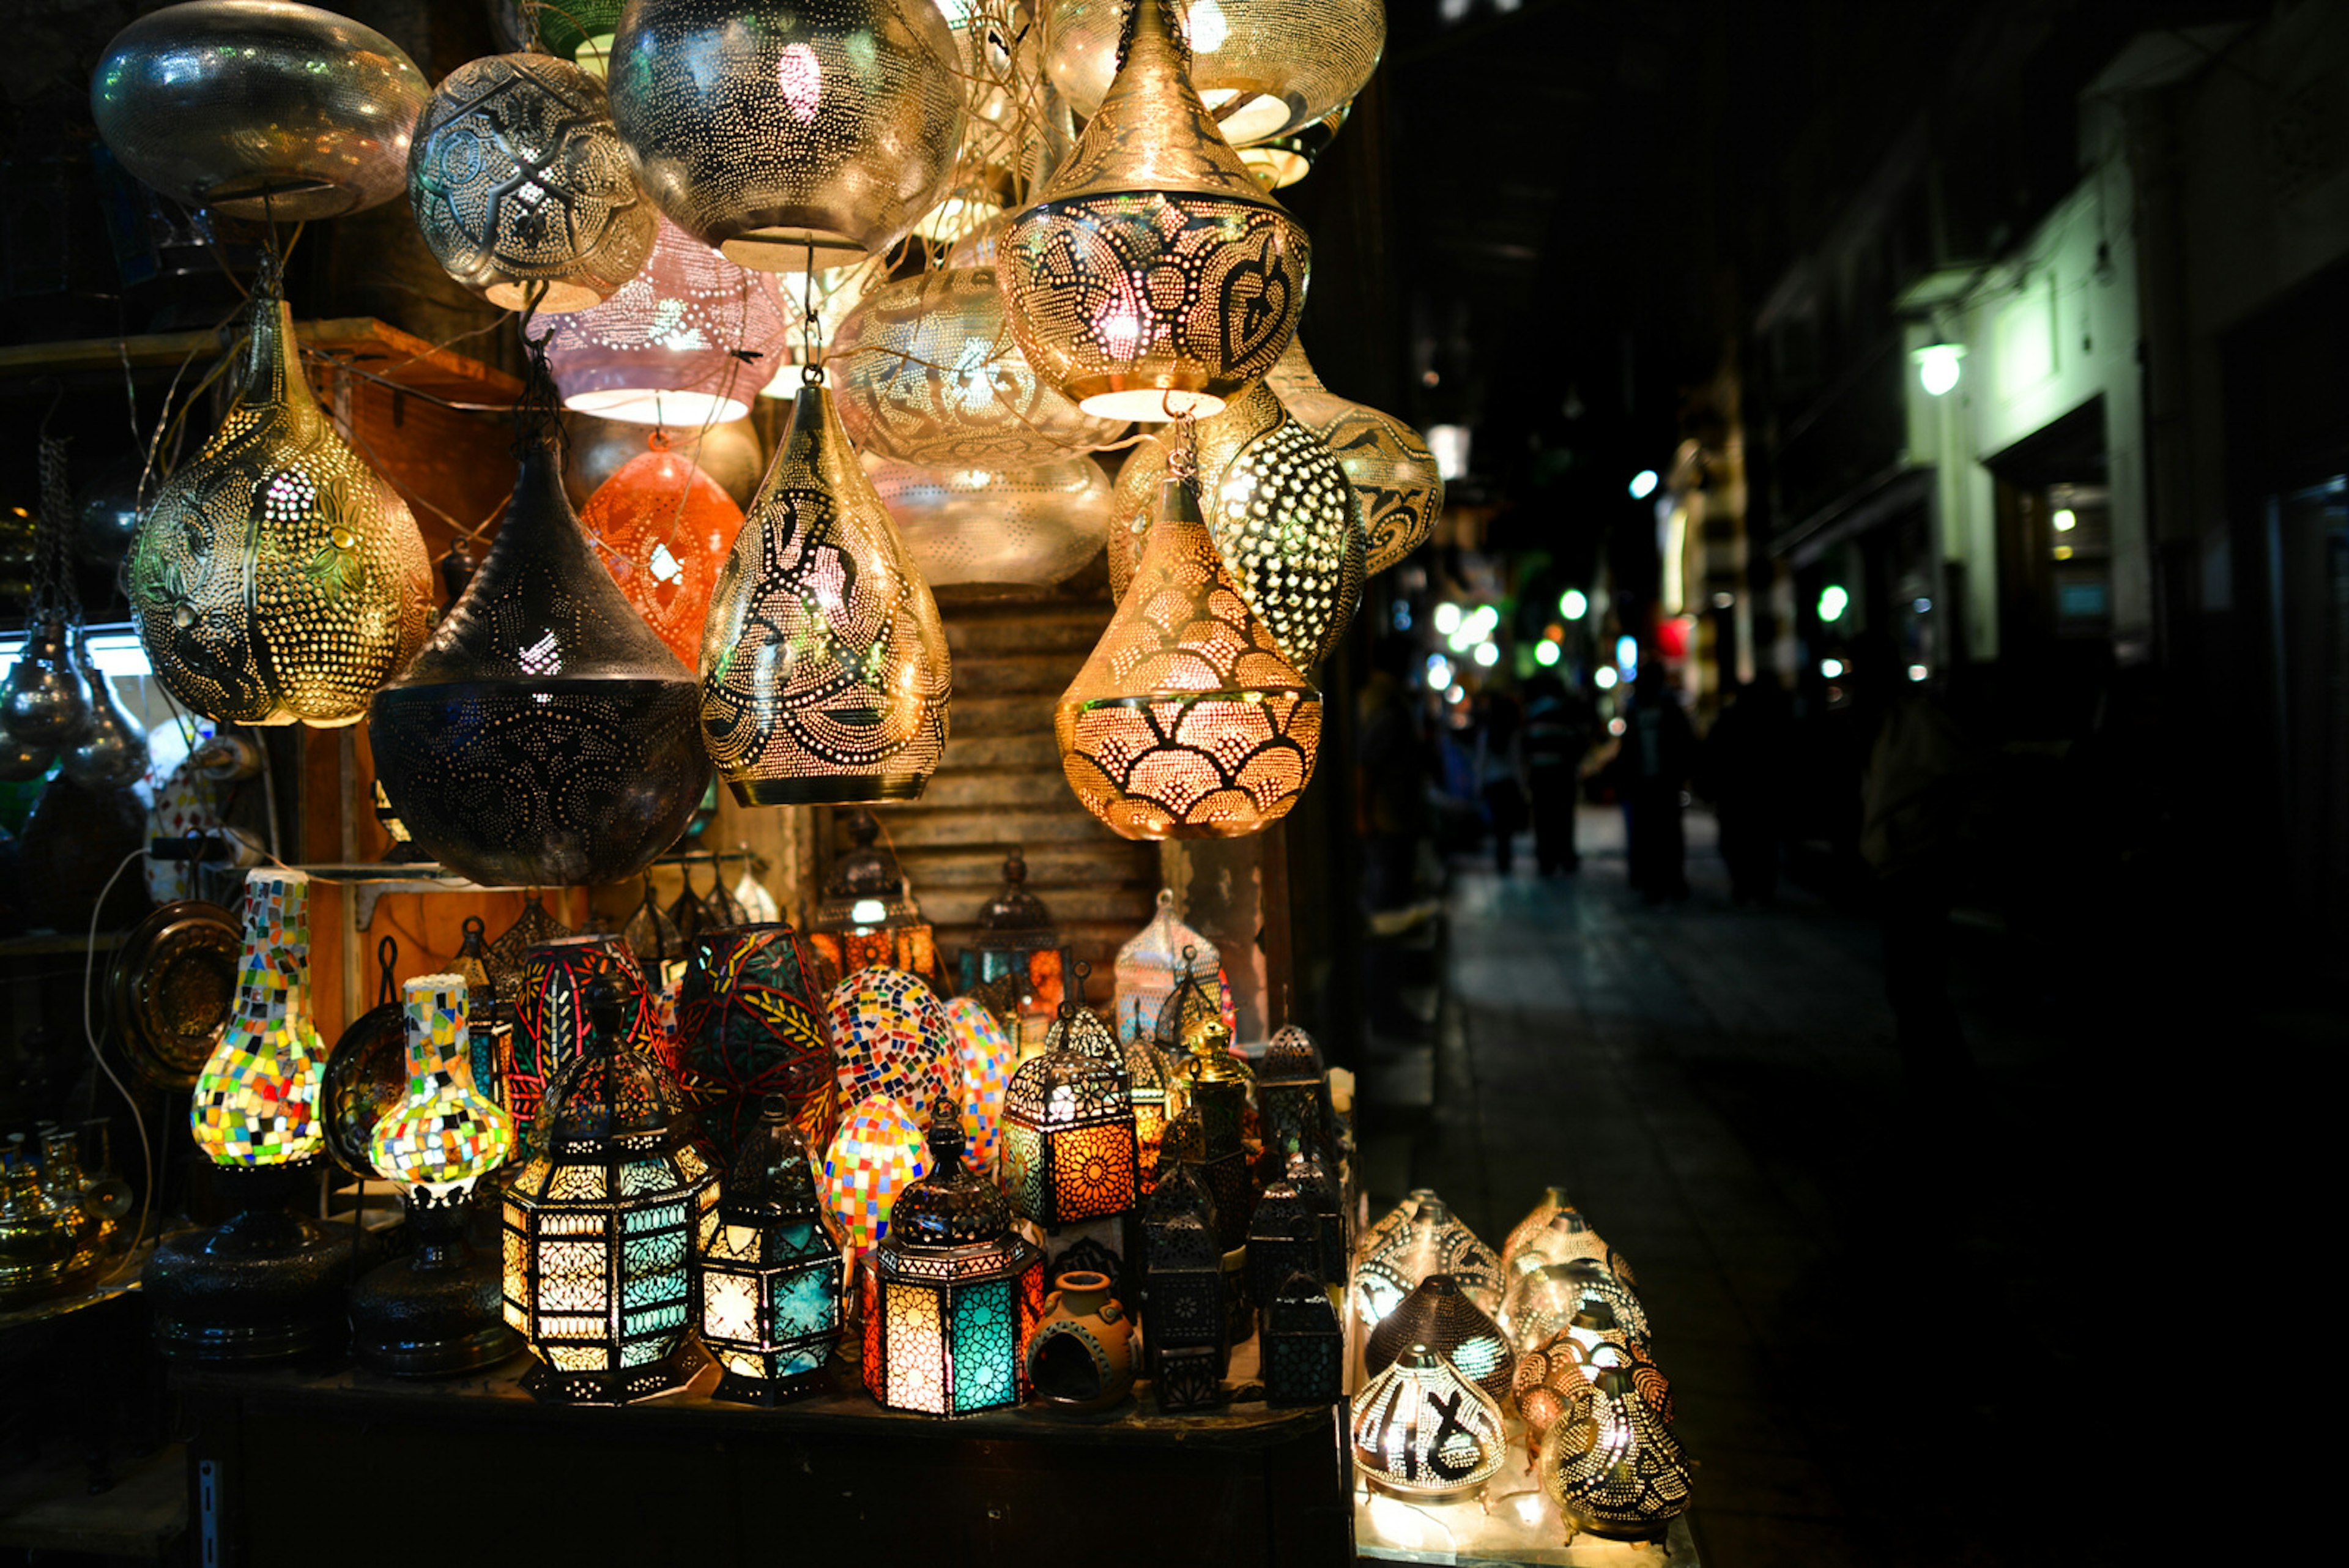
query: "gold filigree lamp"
1386, 460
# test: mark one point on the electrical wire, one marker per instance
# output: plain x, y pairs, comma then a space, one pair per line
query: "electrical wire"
147, 1156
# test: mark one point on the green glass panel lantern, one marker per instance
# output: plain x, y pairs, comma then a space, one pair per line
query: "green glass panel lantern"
766, 1297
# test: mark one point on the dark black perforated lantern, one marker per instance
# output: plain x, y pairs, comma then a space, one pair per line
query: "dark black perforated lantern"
1185, 1326
1301, 1344
1292, 1094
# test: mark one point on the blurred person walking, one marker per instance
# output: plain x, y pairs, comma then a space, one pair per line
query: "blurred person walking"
1556, 738
1743, 770
1651, 770
1501, 776
1392, 765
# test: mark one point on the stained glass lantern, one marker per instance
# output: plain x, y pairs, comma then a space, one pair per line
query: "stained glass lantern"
1613, 1464
436, 1312
1285, 520
770, 1273
824, 670
1068, 1150
1153, 277
522, 188
890, 1036
684, 343
1300, 1345
601, 1225
1543, 1300
792, 135
1423, 1430
1556, 1232
878, 1153
1292, 1094
551, 1021
952, 1291
268, 1282
277, 579
1186, 721
1186, 1325
1152, 962
984, 1055
663, 528
1439, 1315
1389, 464
1016, 938
1432, 1241
868, 914
545, 737
749, 1031
1146, 1085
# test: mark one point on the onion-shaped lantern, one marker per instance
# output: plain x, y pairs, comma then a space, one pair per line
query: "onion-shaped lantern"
890, 1036
1186, 721
770, 1272
1424, 1428
545, 737
1068, 1150
664, 527
1563, 1237
788, 132
1439, 1315
277, 579
1553, 1379
1391, 1263
259, 109
824, 673
1613, 1464
982, 529
522, 188
1282, 513
1153, 277
1546, 1299
1386, 460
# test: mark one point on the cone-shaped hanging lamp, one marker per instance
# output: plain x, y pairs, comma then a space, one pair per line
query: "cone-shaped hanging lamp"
664, 527
1386, 460
824, 675
1288, 525
1186, 722
276, 579
545, 737
1153, 277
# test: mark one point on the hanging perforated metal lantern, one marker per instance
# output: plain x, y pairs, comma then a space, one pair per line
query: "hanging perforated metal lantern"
824, 673
259, 109
664, 527
1280, 161
277, 579
772, 127
928, 373
1153, 277
1546, 1299
1016, 528
1263, 68
1387, 461
522, 187
1283, 514
545, 737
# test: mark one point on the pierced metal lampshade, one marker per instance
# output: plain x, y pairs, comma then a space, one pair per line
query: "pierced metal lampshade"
663, 528
1386, 460
770, 126
277, 579
688, 341
984, 528
1424, 1428
1545, 1300
928, 373
1439, 1315
1069, 1148
1391, 1263
1280, 161
1613, 1464
1282, 513
1263, 68
1186, 722
259, 109
890, 1036
519, 181
1553, 1380
770, 1275
545, 737
824, 674
579, 31
1153, 277
1564, 1236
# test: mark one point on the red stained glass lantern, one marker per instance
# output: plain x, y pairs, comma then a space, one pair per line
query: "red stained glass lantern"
665, 528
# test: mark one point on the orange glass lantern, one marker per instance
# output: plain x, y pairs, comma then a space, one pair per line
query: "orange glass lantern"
665, 528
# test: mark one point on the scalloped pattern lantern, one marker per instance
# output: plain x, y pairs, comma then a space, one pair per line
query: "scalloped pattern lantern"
975, 527
1386, 460
664, 527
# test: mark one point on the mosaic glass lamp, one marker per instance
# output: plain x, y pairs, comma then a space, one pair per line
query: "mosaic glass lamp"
276, 579
1390, 1263
1301, 1346
794, 136
551, 1023
879, 1152
544, 736
1069, 1145
824, 672
600, 1228
1186, 721
663, 527
1292, 1094
1556, 1232
985, 1056
1543, 1300
522, 188
952, 1291
750, 1029
1425, 1429
437, 1312
890, 1036
1281, 512
1388, 463
867, 914
1151, 964
1153, 277
770, 1275
268, 1282
1186, 1325
1438, 1314
684, 343
1016, 938
1612, 1465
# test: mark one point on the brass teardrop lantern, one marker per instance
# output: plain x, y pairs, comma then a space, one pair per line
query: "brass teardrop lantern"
1153, 277
1385, 460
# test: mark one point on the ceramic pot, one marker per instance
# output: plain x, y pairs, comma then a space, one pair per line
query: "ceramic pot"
1081, 1357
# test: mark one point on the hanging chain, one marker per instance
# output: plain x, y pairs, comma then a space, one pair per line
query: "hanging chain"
811, 373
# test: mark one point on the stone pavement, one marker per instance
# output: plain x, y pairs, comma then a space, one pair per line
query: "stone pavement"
1862, 1304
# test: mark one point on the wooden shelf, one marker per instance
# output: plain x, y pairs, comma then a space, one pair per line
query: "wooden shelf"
366, 344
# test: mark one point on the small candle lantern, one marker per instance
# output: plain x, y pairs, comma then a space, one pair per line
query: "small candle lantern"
1185, 1324
771, 1270
1069, 1145
1302, 1345
1292, 1094
867, 915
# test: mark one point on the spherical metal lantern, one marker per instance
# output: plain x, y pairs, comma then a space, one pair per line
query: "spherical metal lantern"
928, 373
1264, 69
1424, 1428
663, 528
520, 187
277, 579
545, 737
1153, 277
1287, 522
259, 109
1386, 460
976, 528
824, 671
778, 127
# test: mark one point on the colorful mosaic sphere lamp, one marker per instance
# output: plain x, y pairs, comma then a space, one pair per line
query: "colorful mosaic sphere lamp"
769, 1279
879, 1152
